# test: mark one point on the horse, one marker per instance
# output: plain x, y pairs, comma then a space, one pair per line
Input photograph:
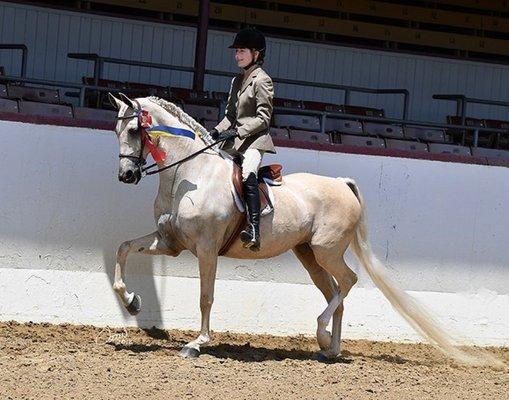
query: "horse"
316, 217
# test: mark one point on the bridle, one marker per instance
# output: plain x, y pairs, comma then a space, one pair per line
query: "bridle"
144, 122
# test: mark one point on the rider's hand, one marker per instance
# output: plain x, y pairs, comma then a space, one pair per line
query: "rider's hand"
227, 134
214, 134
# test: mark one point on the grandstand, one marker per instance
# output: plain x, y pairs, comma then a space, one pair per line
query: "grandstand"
377, 104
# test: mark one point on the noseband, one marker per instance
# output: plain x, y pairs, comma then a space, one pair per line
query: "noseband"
144, 121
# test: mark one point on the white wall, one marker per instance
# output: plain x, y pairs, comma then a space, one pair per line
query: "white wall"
440, 227
51, 34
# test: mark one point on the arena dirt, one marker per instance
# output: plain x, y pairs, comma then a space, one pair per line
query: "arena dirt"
42, 361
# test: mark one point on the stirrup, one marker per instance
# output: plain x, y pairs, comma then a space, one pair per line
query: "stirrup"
248, 237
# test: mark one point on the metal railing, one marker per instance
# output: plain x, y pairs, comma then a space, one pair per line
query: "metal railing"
462, 101
100, 61
24, 54
461, 110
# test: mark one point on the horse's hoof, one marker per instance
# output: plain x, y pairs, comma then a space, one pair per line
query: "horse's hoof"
189, 352
324, 356
135, 306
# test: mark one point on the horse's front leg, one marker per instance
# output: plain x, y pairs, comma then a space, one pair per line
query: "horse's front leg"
208, 266
150, 244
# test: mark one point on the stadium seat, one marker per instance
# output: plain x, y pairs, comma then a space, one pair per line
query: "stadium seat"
221, 96
199, 112
365, 111
47, 110
486, 139
406, 145
3, 90
343, 126
287, 103
307, 136
490, 153
93, 114
9, 106
441, 148
318, 106
385, 130
305, 122
279, 133
425, 134
40, 95
360, 141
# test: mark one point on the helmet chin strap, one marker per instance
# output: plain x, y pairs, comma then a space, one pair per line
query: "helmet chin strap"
253, 62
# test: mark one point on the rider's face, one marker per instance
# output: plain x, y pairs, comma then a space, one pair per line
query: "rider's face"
244, 57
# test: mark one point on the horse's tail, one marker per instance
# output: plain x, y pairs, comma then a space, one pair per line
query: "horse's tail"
409, 308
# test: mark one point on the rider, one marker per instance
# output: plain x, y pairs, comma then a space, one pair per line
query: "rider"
246, 123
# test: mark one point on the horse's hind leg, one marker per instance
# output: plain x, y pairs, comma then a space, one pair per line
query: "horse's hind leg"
325, 283
149, 244
331, 259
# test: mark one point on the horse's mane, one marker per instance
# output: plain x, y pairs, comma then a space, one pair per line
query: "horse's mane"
183, 117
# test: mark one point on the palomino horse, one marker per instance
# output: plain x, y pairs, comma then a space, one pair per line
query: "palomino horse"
316, 217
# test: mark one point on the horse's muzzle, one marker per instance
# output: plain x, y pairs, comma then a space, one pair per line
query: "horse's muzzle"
130, 176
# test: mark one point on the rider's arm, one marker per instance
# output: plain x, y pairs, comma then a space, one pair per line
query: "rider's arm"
264, 91
230, 113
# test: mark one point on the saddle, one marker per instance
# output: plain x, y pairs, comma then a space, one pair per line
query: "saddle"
270, 174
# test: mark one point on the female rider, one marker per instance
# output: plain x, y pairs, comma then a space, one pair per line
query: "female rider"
246, 123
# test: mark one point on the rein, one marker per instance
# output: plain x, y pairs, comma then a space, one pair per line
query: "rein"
144, 122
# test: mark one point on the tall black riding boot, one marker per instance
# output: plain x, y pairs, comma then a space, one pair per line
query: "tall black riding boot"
251, 234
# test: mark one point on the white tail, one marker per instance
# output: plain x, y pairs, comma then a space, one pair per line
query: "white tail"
408, 307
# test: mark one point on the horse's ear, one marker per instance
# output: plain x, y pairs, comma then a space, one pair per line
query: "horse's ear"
126, 100
114, 101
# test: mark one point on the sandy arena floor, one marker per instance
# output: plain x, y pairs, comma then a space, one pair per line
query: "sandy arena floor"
42, 361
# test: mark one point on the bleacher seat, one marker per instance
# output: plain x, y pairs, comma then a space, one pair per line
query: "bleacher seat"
343, 126
93, 114
221, 96
385, 130
143, 90
3, 90
442, 148
496, 124
279, 133
318, 106
490, 153
43, 109
308, 136
304, 122
200, 112
425, 134
36, 94
365, 111
287, 103
406, 145
8, 106
361, 141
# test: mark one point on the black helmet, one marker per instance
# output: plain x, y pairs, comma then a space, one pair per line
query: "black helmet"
250, 39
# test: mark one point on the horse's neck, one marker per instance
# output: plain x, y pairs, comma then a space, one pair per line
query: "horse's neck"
204, 166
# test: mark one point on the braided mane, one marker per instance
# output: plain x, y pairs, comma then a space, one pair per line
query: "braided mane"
183, 117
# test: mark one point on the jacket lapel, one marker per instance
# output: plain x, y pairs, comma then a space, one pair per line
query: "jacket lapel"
249, 79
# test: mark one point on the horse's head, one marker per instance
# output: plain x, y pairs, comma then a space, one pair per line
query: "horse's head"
130, 121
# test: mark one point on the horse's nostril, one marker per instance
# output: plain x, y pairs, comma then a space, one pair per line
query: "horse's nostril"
129, 175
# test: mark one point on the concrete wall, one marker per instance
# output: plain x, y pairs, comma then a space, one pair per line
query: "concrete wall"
51, 34
439, 227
